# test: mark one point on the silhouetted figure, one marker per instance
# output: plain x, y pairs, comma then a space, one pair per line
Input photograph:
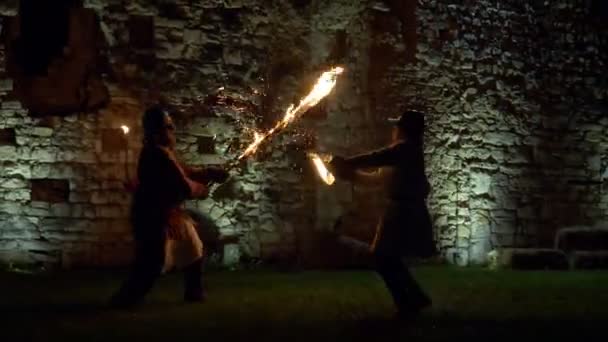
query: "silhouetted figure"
405, 229
164, 233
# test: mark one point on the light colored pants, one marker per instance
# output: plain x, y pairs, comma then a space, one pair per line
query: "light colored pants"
182, 252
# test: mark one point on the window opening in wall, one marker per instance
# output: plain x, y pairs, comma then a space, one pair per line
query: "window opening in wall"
53, 50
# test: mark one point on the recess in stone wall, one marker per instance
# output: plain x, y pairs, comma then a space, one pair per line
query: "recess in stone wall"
53, 56
212, 52
405, 11
141, 32
231, 18
170, 9
206, 145
7, 137
599, 12
113, 140
50, 190
339, 49
300, 3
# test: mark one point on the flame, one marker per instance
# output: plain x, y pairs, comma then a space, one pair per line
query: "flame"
325, 84
257, 140
125, 129
322, 170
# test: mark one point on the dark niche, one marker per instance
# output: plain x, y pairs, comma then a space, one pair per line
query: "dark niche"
53, 57
7, 137
50, 190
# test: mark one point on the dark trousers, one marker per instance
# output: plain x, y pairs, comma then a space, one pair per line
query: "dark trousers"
147, 268
405, 291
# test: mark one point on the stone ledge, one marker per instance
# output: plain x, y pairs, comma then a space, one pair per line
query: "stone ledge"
582, 239
529, 259
587, 260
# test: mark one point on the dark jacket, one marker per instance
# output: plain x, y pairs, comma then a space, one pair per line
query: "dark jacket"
163, 186
405, 228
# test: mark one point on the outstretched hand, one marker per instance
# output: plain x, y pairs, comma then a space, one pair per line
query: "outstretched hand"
217, 174
340, 167
211, 174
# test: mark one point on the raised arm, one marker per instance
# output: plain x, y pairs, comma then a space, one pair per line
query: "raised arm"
351, 168
176, 178
208, 174
375, 177
387, 156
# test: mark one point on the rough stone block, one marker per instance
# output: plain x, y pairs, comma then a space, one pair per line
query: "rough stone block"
41, 155
106, 197
481, 183
501, 138
581, 239
110, 211
79, 197
113, 141
38, 245
193, 36
14, 256
42, 131
232, 56
60, 210
212, 159
8, 153
13, 183
15, 169
270, 237
88, 157
15, 105
231, 254
6, 85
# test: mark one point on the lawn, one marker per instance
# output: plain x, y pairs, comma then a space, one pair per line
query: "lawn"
263, 305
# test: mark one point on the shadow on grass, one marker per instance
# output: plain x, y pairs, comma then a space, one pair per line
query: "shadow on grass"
67, 309
451, 327
95, 321
309, 306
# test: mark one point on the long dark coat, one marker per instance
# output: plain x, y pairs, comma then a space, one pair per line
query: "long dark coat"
163, 187
405, 228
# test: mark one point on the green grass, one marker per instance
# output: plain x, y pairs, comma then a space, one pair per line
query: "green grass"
321, 305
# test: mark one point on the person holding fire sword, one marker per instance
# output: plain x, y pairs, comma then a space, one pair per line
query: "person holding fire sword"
405, 228
164, 232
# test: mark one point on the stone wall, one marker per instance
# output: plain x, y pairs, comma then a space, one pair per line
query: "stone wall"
516, 124
517, 137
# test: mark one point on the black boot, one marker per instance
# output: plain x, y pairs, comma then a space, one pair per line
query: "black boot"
193, 282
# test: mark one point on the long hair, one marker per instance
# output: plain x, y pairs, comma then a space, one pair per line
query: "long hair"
153, 122
412, 124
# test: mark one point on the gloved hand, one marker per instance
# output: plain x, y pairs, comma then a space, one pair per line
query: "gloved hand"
217, 174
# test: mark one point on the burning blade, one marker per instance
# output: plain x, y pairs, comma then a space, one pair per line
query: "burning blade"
325, 84
322, 170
